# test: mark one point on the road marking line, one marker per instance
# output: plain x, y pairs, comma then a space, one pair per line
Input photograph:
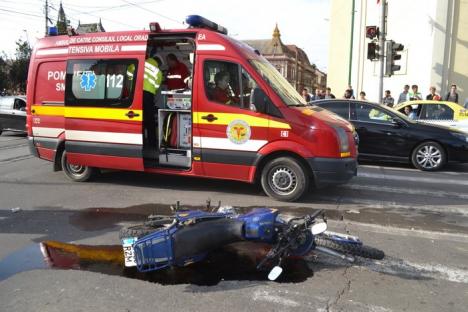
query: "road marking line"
412, 170
435, 180
383, 229
400, 190
394, 266
263, 295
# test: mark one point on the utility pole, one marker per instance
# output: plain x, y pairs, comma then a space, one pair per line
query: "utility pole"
353, 7
46, 10
383, 34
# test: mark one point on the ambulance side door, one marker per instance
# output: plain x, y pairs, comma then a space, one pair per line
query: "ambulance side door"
228, 132
103, 113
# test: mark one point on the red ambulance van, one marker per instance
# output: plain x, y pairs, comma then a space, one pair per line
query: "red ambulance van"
236, 118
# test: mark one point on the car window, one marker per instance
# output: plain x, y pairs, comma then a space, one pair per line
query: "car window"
339, 108
19, 105
368, 113
437, 112
100, 82
229, 84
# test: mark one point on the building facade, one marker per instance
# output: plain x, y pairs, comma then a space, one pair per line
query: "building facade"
435, 38
291, 61
90, 28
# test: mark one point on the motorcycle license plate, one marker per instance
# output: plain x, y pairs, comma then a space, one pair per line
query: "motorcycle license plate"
129, 253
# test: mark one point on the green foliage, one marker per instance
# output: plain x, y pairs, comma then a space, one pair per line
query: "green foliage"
14, 72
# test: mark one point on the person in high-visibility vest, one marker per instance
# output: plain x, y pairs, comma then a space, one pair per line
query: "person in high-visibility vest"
151, 84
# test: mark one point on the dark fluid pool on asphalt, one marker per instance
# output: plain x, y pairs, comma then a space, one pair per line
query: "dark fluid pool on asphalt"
229, 263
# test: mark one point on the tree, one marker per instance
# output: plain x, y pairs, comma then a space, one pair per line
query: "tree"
18, 72
3, 74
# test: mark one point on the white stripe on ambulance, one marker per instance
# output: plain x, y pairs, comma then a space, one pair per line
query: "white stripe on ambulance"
47, 132
226, 144
106, 137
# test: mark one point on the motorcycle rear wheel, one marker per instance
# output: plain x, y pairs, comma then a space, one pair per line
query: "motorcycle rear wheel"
350, 249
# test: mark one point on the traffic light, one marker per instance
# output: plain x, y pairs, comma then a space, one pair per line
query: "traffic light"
372, 32
391, 50
372, 49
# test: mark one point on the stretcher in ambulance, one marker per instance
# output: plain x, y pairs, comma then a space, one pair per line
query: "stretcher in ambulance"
235, 118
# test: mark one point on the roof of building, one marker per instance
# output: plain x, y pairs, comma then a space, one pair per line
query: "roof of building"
274, 46
90, 28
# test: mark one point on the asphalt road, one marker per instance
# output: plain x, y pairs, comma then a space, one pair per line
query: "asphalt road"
419, 219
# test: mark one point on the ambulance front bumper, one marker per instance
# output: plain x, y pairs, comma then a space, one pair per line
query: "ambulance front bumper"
332, 171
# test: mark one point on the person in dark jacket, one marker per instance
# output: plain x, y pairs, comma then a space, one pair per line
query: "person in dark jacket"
452, 96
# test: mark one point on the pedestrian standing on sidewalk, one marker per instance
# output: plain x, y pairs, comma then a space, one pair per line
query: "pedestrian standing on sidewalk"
452, 96
328, 94
347, 94
404, 96
306, 95
362, 96
350, 88
415, 94
433, 96
317, 96
388, 100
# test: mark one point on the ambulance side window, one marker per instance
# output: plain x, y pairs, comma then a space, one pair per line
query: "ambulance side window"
222, 82
106, 83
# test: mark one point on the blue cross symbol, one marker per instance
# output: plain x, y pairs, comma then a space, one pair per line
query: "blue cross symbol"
88, 81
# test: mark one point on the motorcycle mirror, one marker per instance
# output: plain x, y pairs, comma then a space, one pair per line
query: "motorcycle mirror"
275, 273
318, 228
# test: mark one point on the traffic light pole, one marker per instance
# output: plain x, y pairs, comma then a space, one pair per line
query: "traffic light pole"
383, 33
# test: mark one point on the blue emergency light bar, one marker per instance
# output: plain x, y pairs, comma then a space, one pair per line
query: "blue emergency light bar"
52, 31
198, 21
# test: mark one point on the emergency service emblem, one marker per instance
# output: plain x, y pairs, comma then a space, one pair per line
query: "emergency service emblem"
238, 131
88, 81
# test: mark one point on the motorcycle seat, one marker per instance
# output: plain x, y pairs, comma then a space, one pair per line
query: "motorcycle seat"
205, 236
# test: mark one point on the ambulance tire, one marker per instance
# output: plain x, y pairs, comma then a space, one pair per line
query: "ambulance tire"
285, 179
75, 172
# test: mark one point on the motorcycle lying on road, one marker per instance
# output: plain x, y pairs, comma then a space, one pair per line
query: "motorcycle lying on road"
189, 236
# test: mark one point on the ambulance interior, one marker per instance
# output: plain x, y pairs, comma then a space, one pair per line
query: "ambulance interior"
173, 113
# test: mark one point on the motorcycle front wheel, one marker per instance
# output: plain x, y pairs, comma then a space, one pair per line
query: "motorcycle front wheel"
350, 249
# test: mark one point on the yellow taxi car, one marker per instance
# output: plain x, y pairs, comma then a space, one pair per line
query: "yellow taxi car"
438, 112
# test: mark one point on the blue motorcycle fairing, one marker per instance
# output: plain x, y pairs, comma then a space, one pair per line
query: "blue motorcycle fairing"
259, 224
183, 216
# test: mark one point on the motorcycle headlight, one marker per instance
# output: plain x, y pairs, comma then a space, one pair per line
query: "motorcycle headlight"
461, 136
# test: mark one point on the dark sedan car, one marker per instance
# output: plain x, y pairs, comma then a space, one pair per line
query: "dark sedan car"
12, 113
387, 135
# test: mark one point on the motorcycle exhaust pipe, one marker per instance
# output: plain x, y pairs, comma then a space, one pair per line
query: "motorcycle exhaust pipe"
333, 253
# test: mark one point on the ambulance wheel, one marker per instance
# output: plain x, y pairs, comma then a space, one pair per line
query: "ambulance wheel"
284, 179
76, 173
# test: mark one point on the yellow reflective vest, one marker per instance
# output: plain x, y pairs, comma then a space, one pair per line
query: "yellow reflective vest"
152, 77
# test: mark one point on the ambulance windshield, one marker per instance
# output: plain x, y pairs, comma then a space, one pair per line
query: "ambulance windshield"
283, 88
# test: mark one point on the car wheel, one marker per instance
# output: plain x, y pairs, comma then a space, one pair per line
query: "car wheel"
77, 173
284, 179
429, 156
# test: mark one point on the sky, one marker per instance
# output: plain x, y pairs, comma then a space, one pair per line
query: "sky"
304, 23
